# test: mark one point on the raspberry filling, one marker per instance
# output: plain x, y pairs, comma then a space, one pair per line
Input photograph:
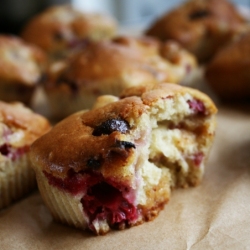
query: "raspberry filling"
197, 106
102, 199
197, 158
13, 153
105, 202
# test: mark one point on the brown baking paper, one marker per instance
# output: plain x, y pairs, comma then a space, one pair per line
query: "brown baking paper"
215, 215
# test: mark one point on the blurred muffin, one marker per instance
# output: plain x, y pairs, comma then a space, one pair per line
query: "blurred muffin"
19, 127
228, 73
21, 69
116, 163
108, 67
60, 30
201, 26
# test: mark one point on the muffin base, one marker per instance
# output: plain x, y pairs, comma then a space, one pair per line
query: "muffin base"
17, 179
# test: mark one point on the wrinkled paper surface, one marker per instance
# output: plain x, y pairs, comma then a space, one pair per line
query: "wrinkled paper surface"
214, 215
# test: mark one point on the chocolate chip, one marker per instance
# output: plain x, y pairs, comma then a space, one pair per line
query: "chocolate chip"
120, 149
111, 125
124, 144
94, 163
199, 14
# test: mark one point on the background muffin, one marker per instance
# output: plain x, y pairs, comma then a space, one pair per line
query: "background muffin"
61, 30
19, 128
228, 73
108, 67
21, 69
201, 26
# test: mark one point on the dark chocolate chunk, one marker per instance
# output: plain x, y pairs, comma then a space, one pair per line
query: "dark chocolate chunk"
124, 144
110, 126
199, 14
94, 163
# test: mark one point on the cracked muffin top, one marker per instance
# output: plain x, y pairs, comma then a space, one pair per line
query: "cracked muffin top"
62, 28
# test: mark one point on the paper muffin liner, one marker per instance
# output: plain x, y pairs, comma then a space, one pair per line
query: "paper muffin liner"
65, 207
17, 179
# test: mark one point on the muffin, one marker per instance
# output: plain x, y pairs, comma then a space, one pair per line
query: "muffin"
60, 30
108, 67
228, 73
201, 26
19, 128
116, 164
21, 69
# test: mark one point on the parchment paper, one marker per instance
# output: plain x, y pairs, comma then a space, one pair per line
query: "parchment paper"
215, 215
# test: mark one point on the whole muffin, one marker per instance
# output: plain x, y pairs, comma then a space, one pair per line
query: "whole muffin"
201, 26
116, 164
228, 73
108, 67
19, 128
60, 30
21, 69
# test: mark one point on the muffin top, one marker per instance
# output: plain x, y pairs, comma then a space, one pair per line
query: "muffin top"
200, 26
20, 62
20, 126
62, 27
123, 62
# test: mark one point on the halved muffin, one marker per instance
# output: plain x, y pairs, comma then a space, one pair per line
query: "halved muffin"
113, 167
108, 67
19, 128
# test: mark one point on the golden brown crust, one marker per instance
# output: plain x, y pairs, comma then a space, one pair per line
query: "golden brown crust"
20, 63
126, 59
80, 127
200, 26
16, 117
163, 90
228, 73
109, 67
61, 27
